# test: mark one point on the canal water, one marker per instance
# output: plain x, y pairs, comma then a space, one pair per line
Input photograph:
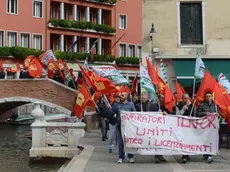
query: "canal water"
14, 151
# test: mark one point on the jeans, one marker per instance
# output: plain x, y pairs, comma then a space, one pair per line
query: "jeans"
121, 144
103, 127
112, 135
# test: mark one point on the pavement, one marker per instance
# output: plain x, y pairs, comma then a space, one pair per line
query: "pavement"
98, 159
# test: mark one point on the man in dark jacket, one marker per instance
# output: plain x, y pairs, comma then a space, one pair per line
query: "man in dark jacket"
185, 109
205, 109
124, 105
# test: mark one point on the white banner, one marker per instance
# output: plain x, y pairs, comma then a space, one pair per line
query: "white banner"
150, 133
111, 73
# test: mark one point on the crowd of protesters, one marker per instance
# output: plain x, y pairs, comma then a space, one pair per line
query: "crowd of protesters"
110, 117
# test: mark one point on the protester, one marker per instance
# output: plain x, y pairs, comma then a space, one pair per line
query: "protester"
125, 105
185, 109
147, 105
137, 103
103, 112
57, 77
160, 107
112, 125
205, 109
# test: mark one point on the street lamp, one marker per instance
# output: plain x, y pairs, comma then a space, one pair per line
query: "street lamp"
152, 32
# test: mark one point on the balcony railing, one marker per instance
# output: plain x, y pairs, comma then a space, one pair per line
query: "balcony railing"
81, 25
104, 1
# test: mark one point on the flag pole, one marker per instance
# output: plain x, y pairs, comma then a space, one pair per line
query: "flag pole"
192, 107
194, 86
93, 44
115, 44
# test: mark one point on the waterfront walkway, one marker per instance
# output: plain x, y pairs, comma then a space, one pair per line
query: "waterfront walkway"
98, 159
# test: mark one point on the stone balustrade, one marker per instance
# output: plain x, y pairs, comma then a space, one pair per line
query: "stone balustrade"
54, 139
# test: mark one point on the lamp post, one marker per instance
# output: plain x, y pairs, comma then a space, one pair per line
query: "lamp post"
151, 34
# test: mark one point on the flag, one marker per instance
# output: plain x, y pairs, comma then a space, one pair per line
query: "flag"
82, 100
224, 82
92, 102
1, 65
152, 73
14, 68
199, 68
35, 68
134, 85
145, 80
180, 91
169, 101
52, 66
61, 64
162, 72
124, 89
27, 61
205, 86
46, 57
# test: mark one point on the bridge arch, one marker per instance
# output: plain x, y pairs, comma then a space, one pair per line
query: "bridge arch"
9, 103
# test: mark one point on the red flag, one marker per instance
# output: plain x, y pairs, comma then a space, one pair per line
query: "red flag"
61, 64
1, 65
35, 68
205, 86
81, 101
124, 89
152, 73
27, 61
180, 91
169, 99
14, 68
92, 102
52, 65
134, 85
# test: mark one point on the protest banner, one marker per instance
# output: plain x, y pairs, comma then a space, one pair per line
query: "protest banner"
150, 133
111, 73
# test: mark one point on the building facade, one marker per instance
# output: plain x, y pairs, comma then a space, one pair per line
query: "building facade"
57, 24
183, 30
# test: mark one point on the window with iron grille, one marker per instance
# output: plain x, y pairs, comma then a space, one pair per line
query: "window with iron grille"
191, 25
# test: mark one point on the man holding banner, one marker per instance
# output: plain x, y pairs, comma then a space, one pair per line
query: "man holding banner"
205, 109
123, 105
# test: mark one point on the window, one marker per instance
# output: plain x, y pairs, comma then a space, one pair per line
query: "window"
25, 40
139, 51
78, 15
1, 38
122, 50
122, 22
52, 12
37, 8
12, 6
37, 42
12, 39
191, 25
66, 17
131, 50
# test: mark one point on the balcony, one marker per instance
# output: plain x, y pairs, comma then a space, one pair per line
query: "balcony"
82, 26
111, 2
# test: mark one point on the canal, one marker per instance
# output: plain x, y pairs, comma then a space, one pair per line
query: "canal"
14, 151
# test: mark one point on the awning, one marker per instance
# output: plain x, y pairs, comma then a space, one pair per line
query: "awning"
185, 69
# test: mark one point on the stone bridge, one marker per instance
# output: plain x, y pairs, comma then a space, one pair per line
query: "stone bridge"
17, 92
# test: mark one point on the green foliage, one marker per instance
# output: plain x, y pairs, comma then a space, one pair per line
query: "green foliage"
107, 1
82, 25
19, 52
127, 60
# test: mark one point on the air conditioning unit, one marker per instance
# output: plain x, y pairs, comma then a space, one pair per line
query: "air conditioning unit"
156, 50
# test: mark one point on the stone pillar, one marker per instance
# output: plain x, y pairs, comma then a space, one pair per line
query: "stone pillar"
99, 16
61, 42
87, 44
75, 12
75, 46
87, 14
99, 43
38, 133
62, 11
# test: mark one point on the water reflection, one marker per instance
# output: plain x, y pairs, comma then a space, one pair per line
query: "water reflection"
14, 151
